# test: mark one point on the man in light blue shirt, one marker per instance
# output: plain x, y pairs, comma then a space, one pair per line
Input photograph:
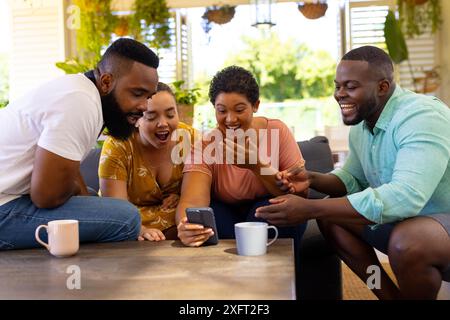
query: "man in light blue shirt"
393, 193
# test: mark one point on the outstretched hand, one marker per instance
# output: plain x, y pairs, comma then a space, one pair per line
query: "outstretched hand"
285, 210
293, 180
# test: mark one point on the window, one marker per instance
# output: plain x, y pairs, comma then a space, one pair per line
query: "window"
365, 26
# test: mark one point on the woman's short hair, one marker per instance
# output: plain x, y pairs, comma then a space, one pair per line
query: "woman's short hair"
234, 79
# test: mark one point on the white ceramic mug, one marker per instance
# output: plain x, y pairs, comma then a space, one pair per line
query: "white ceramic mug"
63, 239
252, 237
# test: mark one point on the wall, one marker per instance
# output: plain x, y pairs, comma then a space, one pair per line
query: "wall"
126, 4
444, 92
37, 30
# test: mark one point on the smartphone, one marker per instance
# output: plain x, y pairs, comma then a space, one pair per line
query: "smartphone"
205, 217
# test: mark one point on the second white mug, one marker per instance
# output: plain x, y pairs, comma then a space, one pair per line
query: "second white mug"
252, 237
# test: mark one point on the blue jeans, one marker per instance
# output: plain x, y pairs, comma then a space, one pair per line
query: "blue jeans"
100, 220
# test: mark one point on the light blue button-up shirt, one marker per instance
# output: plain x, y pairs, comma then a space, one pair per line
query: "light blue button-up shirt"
402, 169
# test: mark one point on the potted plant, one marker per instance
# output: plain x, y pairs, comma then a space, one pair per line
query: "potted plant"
218, 15
186, 100
313, 10
419, 16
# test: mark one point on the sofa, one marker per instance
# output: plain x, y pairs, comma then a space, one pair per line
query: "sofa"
320, 271
320, 268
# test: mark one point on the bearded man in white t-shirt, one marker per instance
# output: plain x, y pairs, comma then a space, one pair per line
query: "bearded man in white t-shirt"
50, 130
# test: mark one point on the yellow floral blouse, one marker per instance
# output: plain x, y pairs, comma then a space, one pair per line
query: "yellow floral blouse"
121, 160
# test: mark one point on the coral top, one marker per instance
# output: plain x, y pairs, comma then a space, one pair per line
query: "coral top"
233, 184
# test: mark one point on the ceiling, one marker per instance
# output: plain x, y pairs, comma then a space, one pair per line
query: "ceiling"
123, 5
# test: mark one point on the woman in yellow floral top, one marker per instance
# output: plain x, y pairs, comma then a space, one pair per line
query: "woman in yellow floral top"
140, 169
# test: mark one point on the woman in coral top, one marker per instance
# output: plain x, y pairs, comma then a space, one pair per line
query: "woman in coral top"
234, 191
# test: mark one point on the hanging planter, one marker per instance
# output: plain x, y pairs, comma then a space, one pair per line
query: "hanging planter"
122, 26
218, 15
313, 10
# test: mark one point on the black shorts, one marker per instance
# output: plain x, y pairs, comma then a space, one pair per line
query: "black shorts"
379, 237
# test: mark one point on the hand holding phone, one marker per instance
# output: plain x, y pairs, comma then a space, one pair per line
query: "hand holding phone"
205, 217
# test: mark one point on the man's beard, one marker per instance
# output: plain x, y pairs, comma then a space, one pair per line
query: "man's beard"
365, 112
115, 119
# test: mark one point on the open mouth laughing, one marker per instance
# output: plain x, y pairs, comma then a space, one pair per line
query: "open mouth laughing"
235, 127
347, 109
163, 136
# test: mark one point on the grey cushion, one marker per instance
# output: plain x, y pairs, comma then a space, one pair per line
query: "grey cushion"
89, 168
318, 157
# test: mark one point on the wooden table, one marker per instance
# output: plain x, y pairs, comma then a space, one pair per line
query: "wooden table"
150, 270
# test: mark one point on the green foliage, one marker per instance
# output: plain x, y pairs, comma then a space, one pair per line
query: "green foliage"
306, 118
150, 23
416, 19
316, 72
73, 66
96, 25
395, 41
202, 81
184, 95
286, 70
4, 80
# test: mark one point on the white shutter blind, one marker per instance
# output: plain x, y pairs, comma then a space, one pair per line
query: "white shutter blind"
184, 50
367, 24
365, 27
167, 69
174, 63
422, 55
37, 43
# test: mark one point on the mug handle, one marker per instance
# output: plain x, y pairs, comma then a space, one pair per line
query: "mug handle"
276, 235
36, 235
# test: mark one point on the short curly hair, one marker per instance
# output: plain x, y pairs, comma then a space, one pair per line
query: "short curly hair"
234, 79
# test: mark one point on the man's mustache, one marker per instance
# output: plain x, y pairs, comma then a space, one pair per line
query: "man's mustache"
132, 117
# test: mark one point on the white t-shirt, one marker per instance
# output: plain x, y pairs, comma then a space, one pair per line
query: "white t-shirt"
63, 116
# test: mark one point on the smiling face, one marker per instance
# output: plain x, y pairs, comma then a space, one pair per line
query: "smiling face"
124, 99
234, 111
134, 88
359, 94
159, 120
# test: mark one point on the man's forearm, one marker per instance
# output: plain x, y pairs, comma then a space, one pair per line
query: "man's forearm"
337, 210
327, 183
